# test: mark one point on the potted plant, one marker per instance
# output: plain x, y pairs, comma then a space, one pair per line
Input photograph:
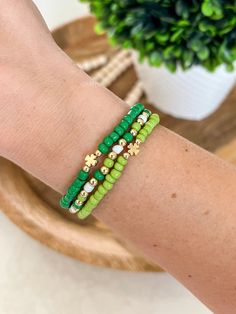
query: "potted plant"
184, 50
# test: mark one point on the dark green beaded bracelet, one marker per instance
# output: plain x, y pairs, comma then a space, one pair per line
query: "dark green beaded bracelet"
115, 172
108, 163
103, 148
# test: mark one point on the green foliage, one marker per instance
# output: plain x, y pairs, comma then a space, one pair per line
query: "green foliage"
172, 32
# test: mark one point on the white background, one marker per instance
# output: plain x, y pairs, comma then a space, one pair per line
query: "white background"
37, 280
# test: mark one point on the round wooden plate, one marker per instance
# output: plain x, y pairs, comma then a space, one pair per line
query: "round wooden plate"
34, 207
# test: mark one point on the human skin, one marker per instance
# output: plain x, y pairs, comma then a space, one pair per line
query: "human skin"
175, 202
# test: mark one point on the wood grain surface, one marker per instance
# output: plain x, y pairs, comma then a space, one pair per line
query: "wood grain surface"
34, 207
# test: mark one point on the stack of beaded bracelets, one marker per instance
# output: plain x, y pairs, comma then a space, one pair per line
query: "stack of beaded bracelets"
85, 193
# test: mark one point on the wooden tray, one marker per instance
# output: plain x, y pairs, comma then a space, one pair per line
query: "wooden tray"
90, 241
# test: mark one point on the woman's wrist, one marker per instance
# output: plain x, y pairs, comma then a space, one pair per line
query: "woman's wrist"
67, 116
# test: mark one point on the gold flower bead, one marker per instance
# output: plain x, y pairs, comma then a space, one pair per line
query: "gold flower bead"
133, 149
91, 160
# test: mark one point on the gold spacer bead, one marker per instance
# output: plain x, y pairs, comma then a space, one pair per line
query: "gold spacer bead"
138, 141
140, 121
122, 142
112, 155
126, 156
104, 170
86, 168
83, 193
98, 153
93, 181
144, 113
78, 202
133, 132
73, 210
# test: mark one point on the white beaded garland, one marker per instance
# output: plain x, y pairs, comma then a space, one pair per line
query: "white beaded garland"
93, 63
111, 70
134, 94
117, 149
88, 187
117, 65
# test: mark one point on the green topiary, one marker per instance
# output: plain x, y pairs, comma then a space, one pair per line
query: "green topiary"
182, 32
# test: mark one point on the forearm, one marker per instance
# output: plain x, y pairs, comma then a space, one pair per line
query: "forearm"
174, 201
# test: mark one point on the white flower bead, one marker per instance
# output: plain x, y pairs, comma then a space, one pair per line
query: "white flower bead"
143, 117
117, 149
88, 187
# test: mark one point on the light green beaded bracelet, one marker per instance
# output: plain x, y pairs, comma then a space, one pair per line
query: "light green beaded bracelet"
107, 185
108, 164
103, 148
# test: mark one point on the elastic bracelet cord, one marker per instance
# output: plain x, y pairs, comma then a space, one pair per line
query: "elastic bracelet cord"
103, 148
102, 173
118, 167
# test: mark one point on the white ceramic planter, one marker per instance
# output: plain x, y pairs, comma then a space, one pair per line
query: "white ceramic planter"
59, 12
193, 94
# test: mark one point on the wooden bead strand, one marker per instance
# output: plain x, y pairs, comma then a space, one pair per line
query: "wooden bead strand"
93, 63
134, 94
114, 68
111, 70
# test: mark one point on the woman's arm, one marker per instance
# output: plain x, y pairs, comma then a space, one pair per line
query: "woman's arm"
174, 201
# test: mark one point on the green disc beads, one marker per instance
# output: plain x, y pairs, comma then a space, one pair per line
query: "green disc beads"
86, 192
108, 162
120, 129
128, 137
103, 148
76, 185
106, 186
98, 175
136, 126
153, 121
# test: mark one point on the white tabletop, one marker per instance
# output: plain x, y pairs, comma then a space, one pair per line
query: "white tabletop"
37, 280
